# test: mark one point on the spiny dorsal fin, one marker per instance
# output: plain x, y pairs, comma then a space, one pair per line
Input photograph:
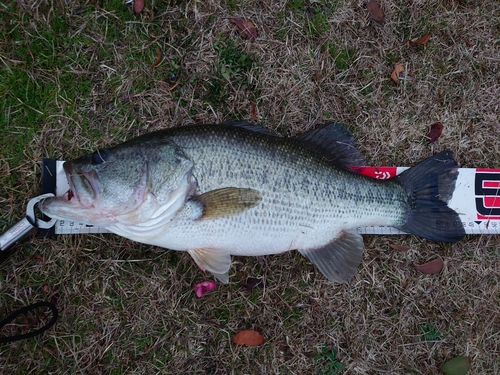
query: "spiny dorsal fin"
248, 126
334, 142
227, 202
338, 261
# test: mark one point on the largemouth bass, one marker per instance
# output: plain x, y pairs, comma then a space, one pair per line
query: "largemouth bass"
238, 189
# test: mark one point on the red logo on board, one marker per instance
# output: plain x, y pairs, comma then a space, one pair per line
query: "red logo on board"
487, 191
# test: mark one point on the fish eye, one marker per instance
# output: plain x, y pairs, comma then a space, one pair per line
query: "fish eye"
99, 156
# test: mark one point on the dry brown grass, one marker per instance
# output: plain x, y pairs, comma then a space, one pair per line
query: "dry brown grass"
129, 308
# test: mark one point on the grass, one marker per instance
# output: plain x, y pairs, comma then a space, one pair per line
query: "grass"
76, 76
332, 366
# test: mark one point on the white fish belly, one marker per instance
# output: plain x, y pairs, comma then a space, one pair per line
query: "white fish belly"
274, 226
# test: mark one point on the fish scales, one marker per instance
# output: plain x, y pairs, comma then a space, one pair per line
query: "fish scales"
237, 189
304, 198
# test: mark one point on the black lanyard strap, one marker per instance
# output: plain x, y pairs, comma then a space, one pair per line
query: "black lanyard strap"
25, 310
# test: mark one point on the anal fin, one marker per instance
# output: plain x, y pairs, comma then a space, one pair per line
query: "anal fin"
215, 261
339, 260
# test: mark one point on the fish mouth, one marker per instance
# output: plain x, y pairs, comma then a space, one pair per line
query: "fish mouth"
83, 185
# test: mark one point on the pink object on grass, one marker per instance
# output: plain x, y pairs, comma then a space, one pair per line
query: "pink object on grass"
205, 286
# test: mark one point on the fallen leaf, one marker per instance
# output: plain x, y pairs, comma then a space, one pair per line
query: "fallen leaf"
138, 6
399, 247
398, 69
251, 282
158, 58
249, 338
246, 28
456, 366
421, 41
435, 132
376, 13
430, 268
205, 286
38, 257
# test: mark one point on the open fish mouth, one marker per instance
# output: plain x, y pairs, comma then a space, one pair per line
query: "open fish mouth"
82, 185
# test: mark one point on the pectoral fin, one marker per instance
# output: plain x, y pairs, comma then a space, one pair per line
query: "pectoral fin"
338, 260
215, 261
227, 202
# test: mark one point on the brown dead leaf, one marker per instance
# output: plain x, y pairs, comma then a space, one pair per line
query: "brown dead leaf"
252, 282
138, 6
421, 41
431, 268
245, 27
398, 69
249, 338
435, 132
399, 247
375, 11
158, 58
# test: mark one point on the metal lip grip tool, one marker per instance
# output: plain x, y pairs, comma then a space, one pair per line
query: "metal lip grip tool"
29, 224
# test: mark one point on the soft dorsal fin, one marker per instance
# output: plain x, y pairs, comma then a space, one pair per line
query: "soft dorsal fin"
338, 261
227, 202
334, 142
248, 126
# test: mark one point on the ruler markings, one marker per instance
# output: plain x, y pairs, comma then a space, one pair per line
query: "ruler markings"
464, 200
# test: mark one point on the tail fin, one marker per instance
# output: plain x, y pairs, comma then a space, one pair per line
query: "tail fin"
430, 185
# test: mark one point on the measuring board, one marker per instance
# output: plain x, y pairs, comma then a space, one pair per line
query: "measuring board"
476, 198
